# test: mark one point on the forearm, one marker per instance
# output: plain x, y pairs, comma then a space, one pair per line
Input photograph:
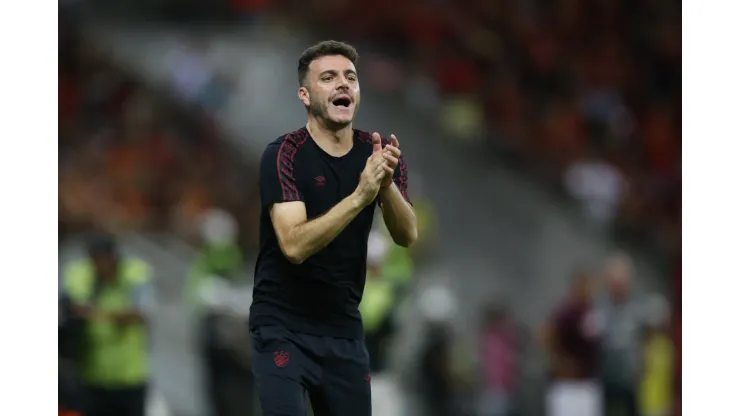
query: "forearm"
307, 239
399, 216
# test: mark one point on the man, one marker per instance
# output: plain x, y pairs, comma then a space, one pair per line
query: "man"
656, 385
109, 294
573, 345
436, 379
623, 320
498, 356
319, 187
226, 355
377, 303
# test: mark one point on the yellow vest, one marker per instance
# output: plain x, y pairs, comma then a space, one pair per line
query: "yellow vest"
398, 267
377, 301
211, 260
656, 388
116, 355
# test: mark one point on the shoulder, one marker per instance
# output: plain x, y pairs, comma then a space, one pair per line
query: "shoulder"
77, 269
77, 276
287, 145
365, 140
366, 137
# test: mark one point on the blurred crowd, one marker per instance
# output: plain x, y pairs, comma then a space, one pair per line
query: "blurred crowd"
134, 159
585, 93
606, 350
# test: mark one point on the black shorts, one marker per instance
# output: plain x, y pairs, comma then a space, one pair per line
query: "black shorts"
335, 372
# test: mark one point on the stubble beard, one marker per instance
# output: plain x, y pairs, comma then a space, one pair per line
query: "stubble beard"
321, 112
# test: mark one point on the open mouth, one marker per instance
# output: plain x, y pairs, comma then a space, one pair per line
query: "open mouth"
342, 102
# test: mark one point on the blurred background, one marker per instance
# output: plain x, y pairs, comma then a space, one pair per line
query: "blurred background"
544, 145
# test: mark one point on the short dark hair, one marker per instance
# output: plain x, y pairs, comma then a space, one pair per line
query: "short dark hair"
324, 48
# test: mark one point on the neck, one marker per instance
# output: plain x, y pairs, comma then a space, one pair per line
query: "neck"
334, 138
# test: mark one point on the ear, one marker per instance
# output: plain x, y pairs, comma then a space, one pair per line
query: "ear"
304, 96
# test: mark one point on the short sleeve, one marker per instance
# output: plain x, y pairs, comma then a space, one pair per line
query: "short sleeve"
401, 179
277, 174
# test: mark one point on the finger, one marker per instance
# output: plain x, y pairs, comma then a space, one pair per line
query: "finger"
387, 169
394, 141
377, 143
380, 168
381, 174
392, 150
392, 160
375, 160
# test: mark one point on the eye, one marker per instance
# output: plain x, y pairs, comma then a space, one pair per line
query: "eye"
327, 78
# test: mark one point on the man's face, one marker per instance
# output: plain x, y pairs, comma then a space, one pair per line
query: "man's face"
331, 90
618, 286
618, 274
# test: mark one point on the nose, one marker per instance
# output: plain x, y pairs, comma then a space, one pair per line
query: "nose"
343, 83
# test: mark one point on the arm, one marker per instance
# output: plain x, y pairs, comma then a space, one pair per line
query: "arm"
141, 298
299, 238
398, 214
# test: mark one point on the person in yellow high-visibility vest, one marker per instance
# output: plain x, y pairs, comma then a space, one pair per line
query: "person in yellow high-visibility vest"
656, 386
377, 302
110, 293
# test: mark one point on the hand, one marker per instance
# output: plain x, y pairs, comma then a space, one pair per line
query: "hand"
392, 154
375, 170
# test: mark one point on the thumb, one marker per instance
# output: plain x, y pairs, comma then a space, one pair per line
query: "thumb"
377, 144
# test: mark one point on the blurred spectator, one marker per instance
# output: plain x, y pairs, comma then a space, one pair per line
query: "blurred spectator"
111, 294
572, 341
71, 345
621, 315
129, 161
676, 332
656, 387
499, 358
377, 302
194, 80
190, 72
436, 381
549, 84
598, 186
423, 250
225, 343
219, 256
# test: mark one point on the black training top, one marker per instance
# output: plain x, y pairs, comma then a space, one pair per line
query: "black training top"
321, 296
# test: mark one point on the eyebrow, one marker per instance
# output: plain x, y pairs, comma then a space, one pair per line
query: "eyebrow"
334, 71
